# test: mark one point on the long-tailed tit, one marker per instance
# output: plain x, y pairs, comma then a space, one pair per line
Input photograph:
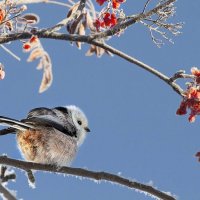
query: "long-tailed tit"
49, 136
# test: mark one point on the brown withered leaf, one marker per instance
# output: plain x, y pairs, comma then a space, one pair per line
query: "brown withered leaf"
73, 9
47, 73
97, 50
9, 25
94, 49
89, 22
40, 65
109, 53
73, 27
35, 54
81, 31
29, 18
2, 72
91, 51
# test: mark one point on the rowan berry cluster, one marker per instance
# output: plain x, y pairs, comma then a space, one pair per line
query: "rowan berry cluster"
108, 17
191, 100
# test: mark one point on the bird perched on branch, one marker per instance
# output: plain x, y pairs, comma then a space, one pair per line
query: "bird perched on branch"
49, 136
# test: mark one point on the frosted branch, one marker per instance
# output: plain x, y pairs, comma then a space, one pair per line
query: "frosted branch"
87, 174
87, 39
6, 193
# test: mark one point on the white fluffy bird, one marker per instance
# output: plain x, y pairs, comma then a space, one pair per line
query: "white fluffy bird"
49, 136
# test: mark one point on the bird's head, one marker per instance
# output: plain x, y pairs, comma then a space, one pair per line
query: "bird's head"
80, 121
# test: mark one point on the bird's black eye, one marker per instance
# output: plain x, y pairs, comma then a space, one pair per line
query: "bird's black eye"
79, 122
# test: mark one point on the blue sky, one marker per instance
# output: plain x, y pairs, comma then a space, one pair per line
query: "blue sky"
131, 113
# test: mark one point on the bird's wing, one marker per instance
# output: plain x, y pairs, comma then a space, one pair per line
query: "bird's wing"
5, 121
50, 118
40, 111
40, 117
51, 121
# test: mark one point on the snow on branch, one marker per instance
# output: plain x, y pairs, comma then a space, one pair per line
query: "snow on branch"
87, 174
6, 175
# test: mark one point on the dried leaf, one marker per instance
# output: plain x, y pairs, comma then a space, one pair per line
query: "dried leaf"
35, 54
81, 31
2, 72
89, 22
29, 18
109, 53
91, 51
74, 26
73, 9
47, 74
9, 25
98, 51
40, 65
94, 49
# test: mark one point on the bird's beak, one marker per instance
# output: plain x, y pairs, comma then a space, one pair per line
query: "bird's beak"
87, 129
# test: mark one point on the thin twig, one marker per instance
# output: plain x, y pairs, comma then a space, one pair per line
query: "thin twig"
87, 174
145, 5
181, 74
30, 176
5, 177
6, 193
10, 52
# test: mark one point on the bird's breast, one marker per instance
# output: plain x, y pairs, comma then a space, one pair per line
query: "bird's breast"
47, 146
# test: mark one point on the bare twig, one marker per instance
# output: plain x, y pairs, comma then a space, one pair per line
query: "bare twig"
145, 5
30, 176
5, 177
10, 52
6, 193
87, 174
181, 74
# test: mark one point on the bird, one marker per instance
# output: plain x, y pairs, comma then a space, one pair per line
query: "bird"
49, 135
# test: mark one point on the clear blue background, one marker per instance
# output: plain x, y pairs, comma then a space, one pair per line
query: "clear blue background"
132, 113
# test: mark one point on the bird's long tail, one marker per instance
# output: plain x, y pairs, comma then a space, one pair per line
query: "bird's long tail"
18, 125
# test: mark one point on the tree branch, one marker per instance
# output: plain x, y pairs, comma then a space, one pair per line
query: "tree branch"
112, 31
6, 193
87, 174
91, 39
133, 19
86, 39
